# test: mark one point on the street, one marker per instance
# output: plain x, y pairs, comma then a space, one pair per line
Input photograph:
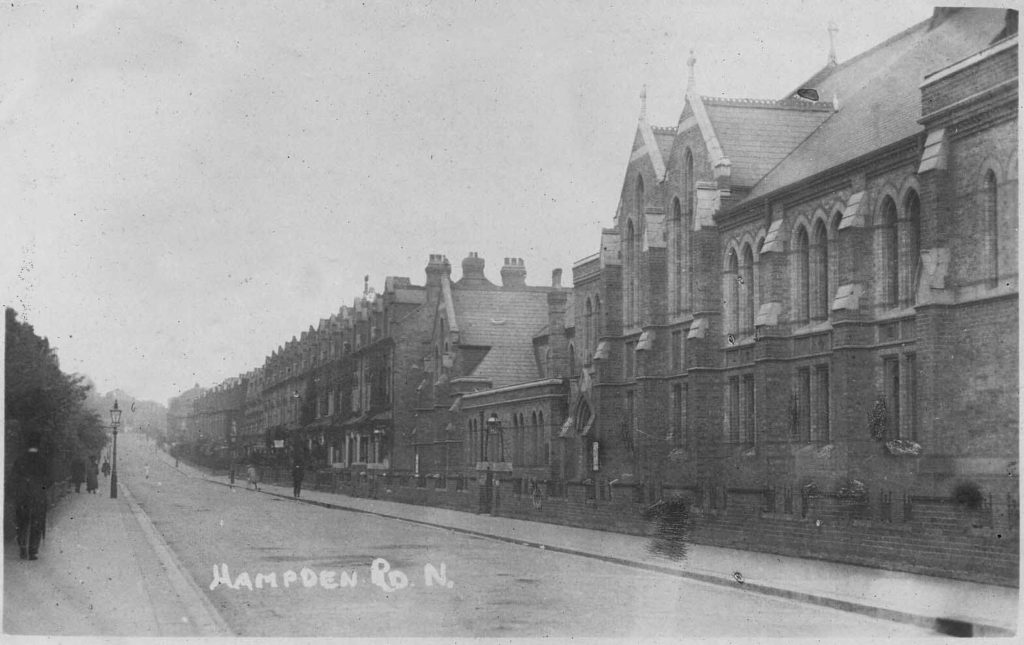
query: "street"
321, 564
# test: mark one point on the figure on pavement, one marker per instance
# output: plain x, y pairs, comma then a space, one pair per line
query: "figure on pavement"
27, 485
77, 473
106, 468
92, 475
298, 472
253, 476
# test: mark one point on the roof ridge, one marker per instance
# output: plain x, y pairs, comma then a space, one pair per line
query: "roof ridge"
787, 103
850, 61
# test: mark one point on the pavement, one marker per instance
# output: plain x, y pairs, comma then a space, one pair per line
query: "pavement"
103, 570
946, 605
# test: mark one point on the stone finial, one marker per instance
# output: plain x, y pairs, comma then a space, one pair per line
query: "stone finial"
643, 104
691, 82
832, 29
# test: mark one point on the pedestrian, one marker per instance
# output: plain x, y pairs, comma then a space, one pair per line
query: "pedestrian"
253, 476
298, 472
106, 468
77, 473
147, 471
27, 484
92, 475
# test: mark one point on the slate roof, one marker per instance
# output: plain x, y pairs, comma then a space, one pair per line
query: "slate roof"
756, 135
879, 93
506, 321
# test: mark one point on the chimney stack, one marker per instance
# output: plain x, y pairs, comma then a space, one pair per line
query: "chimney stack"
556, 278
473, 268
437, 268
513, 273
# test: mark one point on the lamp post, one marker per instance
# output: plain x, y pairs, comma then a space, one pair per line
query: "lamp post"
115, 420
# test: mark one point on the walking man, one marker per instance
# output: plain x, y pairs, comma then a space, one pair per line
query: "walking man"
298, 472
77, 473
27, 486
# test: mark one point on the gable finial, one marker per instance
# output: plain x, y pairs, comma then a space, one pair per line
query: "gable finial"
690, 81
832, 29
643, 103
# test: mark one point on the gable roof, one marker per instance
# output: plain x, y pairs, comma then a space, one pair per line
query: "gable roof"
755, 135
879, 93
506, 321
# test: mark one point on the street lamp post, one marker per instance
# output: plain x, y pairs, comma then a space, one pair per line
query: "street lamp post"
115, 420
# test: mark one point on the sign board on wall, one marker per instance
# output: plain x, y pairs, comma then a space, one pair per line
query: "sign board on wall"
594, 446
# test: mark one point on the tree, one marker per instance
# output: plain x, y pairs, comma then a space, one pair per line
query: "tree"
41, 399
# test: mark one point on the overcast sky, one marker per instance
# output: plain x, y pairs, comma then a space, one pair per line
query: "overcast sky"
185, 185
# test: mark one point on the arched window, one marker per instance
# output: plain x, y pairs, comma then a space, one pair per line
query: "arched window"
637, 244
819, 272
747, 290
588, 331
630, 268
759, 278
990, 205
544, 435
688, 183
598, 325
801, 257
833, 255
534, 439
517, 439
732, 292
890, 253
912, 208
678, 259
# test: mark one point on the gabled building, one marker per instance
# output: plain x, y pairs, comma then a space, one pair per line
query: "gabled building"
497, 369
808, 309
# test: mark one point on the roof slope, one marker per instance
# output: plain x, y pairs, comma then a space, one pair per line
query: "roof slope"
506, 321
879, 93
756, 135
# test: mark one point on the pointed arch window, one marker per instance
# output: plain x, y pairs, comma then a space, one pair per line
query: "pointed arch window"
732, 293
801, 257
637, 243
890, 253
746, 288
990, 204
534, 455
678, 256
588, 331
819, 283
912, 208
688, 183
630, 262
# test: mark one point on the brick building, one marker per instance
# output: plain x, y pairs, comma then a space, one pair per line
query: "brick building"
181, 427
808, 309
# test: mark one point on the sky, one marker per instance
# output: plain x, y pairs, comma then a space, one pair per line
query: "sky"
184, 186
